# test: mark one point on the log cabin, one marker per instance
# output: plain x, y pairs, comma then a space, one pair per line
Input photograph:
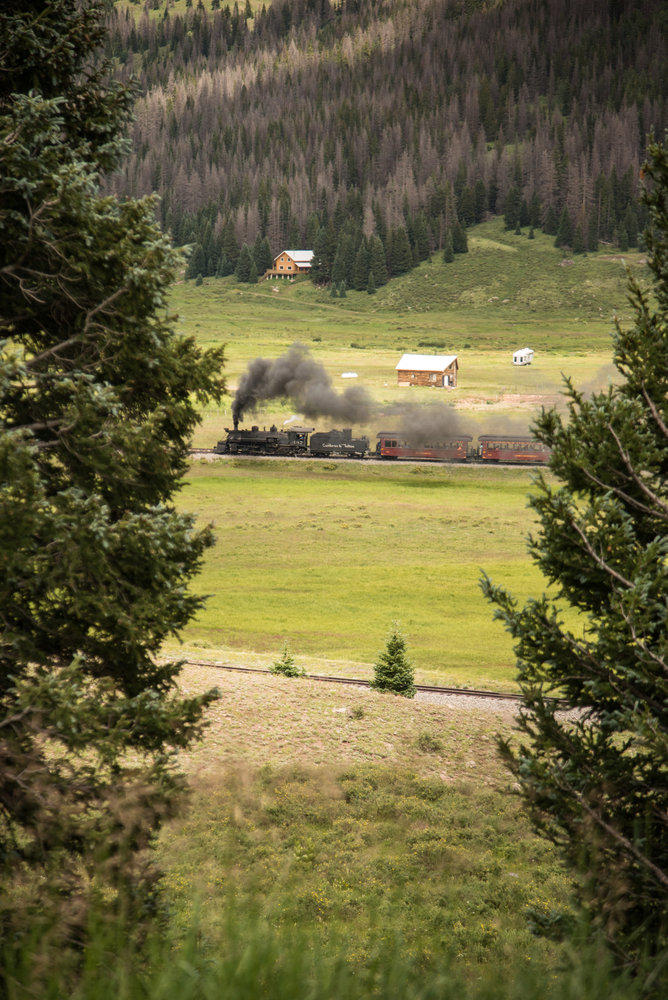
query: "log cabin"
436, 370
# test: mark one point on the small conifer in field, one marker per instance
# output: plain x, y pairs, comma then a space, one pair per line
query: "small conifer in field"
393, 671
285, 665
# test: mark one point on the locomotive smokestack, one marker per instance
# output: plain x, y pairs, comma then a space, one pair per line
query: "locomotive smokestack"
297, 377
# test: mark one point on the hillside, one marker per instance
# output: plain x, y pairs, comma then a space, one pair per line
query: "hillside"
307, 121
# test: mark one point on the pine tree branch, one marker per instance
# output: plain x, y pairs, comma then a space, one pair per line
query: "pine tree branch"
654, 411
615, 834
599, 560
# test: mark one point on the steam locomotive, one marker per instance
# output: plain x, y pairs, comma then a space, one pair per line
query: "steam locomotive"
390, 445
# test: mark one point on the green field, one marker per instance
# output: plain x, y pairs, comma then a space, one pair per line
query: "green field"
507, 292
326, 555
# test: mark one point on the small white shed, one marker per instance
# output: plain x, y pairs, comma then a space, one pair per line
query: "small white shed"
523, 357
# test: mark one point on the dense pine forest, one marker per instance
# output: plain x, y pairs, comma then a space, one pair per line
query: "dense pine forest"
376, 131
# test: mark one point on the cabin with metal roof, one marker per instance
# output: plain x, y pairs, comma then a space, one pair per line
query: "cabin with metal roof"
435, 370
290, 263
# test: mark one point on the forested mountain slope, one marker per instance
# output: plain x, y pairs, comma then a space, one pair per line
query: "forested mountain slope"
328, 126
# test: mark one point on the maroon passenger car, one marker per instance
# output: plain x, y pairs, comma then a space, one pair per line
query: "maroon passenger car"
451, 449
512, 448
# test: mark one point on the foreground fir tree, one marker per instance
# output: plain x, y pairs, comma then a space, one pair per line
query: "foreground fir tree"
393, 670
97, 406
596, 782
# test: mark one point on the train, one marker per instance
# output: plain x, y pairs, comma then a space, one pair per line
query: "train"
513, 449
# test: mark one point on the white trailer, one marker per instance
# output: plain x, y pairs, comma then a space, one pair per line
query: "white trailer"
523, 357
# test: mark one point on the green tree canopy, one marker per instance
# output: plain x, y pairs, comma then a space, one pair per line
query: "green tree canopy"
97, 406
596, 781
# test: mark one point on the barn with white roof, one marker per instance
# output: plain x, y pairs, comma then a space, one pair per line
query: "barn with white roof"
436, 370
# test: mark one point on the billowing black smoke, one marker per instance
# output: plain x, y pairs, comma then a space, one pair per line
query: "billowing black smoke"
298, 377
428, 424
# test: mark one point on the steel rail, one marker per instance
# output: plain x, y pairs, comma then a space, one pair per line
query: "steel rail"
471, 463
359, 682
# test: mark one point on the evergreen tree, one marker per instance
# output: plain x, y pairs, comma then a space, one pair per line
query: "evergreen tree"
96, 416
242, 271
262, 254
196, 262
378, 264
550, 225
480, 200
285, 665
402, 257
230, 245
622, 239
421, 234
340, 265
361, 269
393, 670
323, 256
564, 237
448, 252
371, 285
592, 231
534, 211
579, 245
596, 782
511, 213
460, 243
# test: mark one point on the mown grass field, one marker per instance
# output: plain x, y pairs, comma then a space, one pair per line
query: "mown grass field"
325, 555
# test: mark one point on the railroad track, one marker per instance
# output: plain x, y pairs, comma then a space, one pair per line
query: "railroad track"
358, 682
370, 458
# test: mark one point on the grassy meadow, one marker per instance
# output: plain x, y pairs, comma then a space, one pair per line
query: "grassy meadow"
507, 292
340, 842
326, 555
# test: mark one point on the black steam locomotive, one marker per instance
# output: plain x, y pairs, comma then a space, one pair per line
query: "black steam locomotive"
295, 441
490, 448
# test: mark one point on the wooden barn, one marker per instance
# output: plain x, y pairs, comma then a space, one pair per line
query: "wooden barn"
288, 263
428, 369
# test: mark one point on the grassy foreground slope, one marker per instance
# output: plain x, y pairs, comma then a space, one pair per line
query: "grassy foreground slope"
363, 819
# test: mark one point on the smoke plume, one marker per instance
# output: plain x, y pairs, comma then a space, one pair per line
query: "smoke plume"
428, 424
298, 377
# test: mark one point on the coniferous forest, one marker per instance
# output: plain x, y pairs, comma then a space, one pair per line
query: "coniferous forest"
375, 132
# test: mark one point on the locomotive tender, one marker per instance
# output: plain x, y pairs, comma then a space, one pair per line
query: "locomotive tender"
490, 448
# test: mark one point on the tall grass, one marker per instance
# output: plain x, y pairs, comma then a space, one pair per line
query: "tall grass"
257, 963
